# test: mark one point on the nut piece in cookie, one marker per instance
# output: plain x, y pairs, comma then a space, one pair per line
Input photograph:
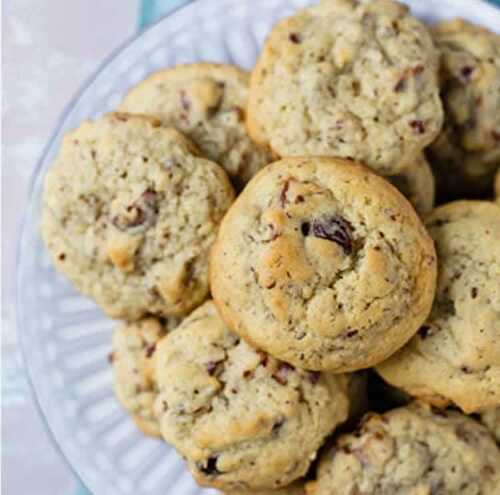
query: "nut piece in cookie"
466, 154
323, 264
411, 450
242, 419
348, 79
455, 356
129, 214
132, 359
207, 103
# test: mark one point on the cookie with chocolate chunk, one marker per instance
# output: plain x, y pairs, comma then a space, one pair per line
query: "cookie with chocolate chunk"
411, 450
132, 359
207, 103
242, 419
455, 356
323, 264
348, 79
466, 154
129, 214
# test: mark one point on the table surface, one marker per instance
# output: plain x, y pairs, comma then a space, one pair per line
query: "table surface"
56, 56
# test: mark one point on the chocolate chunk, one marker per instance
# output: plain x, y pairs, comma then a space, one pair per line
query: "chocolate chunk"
418, 126
400, 85
277, 426
62, 257
313, 377
473, 292
210, 469
351, 333
295, 38
423, 332
335, 229
281, 374
150, 350
211, 367
185, 103
305, 228
141, 213
283, 194
466, 72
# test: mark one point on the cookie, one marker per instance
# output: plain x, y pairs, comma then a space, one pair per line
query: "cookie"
412, 450
206, 102
491, 419
129, 214
455, 356
323, 264
297, 488
416, 183
132, 360
348, 79
242, 419
466, 154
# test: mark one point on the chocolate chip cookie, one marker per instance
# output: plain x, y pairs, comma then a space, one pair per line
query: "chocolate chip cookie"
455, 356
416, 183
132, 360
206, 102
349, 79
323, 264
129, 214
466, 154
412, 450
242, 419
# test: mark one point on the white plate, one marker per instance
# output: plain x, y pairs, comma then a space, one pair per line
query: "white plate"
64, 336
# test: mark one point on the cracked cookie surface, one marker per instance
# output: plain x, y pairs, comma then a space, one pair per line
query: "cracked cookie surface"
348, 79
466, 154
242, 419
129, 214
132, 359
323, 264
455, 356
412, 450
416, 183
207, 103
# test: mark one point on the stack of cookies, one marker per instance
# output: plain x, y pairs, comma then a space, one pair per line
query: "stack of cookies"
271, 244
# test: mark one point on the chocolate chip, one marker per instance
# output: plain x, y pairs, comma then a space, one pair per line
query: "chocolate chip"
150, 350
263, 358
305, 228
418, 126
277, 426
400, 85
351, 333
283, 193
465, 369
313, 377
335, 229
423, 332
247, 374
185, 103
473, 292
466, 72
210, 468
142, 213
211, 367
62, 257
295, 38
111, 357
93, 154
280, 375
